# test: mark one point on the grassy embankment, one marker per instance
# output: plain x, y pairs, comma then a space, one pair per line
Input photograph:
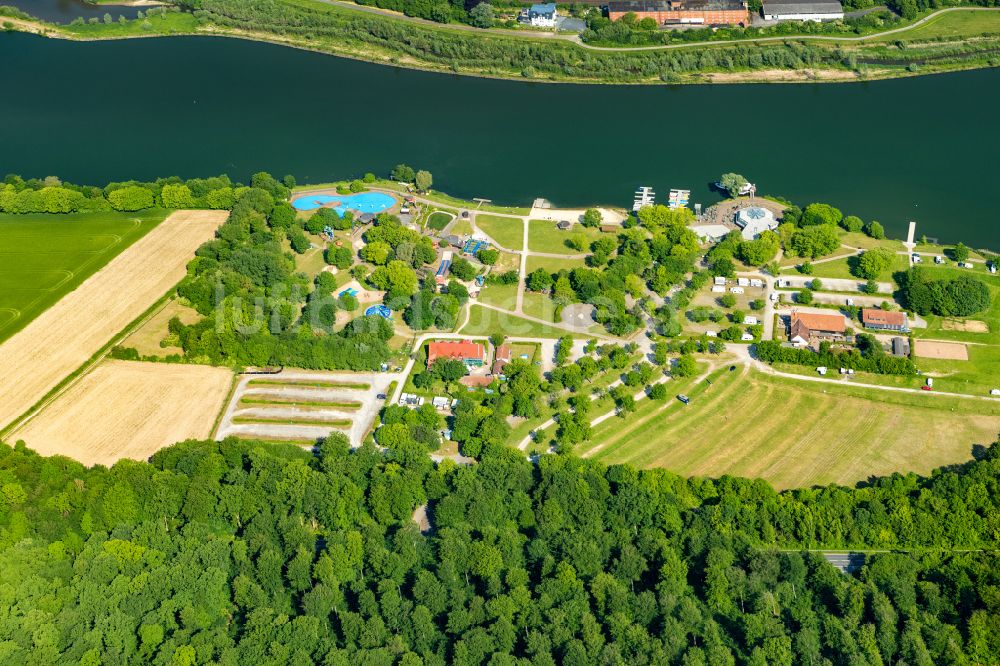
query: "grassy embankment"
44, 257
944, 43
795, 433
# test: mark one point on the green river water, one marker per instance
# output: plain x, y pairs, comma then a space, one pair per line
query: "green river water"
918, 148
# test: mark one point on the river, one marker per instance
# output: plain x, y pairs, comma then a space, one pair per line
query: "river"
920, 148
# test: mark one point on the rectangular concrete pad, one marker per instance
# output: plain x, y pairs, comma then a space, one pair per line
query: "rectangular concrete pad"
66, 335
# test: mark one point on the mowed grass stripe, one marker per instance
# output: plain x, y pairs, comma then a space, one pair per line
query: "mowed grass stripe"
280, 420
309, 383
291, 401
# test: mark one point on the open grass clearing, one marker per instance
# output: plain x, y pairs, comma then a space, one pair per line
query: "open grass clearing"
866, 242
438, 220
44, 257
544, 236
461, 227
841, 268
539, 305
554, 264
966, 23
148, 337
485, 321
311, 383
501, 295
127, 409
507, 231
797, 433
65, 336
954, 329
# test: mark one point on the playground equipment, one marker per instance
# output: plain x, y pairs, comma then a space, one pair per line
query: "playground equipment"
378, 310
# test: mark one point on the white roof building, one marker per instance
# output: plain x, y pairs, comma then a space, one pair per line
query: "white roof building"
719, 279
754, 221
794, 10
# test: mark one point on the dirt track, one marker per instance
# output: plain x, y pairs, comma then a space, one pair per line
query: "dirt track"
127, 409
955, 351
66, 335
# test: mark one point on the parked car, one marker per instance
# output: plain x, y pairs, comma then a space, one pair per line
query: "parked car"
683, 398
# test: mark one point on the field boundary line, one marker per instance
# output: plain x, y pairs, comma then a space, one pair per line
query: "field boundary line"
71, 379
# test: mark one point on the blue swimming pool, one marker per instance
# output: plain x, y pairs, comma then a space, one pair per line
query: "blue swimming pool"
363, 202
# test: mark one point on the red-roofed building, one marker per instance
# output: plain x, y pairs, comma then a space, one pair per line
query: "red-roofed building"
808, 325
886, 320
470, 353
501, 359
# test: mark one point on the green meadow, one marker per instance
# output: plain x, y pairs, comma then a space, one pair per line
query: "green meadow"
44, 257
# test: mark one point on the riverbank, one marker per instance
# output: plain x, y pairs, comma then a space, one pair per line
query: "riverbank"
401, 42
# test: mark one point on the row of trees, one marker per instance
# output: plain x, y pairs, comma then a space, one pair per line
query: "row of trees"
233, 553
51, 195
868, 357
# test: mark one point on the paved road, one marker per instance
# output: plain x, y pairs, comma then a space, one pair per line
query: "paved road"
831, 284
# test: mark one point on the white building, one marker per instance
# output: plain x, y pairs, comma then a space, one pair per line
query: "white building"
544, 16
793, 10
754, 221
743, 282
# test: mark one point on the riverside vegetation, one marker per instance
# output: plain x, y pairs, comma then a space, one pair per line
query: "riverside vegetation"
343, 31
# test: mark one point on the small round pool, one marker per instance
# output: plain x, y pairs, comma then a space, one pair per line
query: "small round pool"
362, 202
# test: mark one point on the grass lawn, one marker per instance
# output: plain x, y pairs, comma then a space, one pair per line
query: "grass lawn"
543, 236
865, 242
539, 305
507, 231
166, 24
438, 220
794, 433
484, 321
955, 24
554, 264
841, 268
501, 295
462, 227
44, 257
508, 261
942, 329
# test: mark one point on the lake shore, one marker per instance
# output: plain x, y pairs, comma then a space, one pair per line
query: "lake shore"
876, 64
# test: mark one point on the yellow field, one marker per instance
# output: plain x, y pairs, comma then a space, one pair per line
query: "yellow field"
796, 433
66, 335
146, 339
127, 409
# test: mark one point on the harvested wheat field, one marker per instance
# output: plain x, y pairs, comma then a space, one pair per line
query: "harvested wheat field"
66, 335
954, 351
128, 409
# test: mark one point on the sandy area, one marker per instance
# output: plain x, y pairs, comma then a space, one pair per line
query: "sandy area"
127, 409
782, 75
66, 335
954, 351
967, 325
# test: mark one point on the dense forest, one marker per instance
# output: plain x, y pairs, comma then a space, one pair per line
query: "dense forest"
243, 553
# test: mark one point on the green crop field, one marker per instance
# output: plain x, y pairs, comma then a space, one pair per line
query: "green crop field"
507, 231
796, 433
44, 257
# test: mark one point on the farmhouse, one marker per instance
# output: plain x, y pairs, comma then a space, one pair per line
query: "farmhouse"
794, 10
885, 320
501, 359
806, 326
682, 12
541, 16
470, 353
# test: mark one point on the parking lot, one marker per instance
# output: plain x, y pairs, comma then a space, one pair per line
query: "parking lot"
305, 406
